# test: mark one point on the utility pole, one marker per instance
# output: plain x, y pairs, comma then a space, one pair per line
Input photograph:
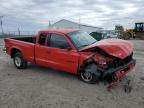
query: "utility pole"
1, 23
79, 23
18, 31
49, 24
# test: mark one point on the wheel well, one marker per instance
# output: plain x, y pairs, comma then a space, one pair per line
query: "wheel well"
86, 62
14, 51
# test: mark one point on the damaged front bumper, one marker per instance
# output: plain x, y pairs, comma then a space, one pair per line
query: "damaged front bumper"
120, 71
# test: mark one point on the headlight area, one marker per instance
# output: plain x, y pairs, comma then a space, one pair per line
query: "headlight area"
102, 62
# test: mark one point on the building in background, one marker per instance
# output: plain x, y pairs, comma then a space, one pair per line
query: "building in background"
70, 24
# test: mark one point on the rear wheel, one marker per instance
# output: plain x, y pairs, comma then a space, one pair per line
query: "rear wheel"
19, 61
90, 74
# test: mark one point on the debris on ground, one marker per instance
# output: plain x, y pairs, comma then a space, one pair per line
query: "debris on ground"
128, 86
142, 78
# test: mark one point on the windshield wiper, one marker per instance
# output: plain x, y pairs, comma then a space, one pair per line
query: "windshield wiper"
83, 45
93, 42
87, 44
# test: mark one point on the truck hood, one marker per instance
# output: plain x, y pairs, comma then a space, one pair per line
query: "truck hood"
115, 47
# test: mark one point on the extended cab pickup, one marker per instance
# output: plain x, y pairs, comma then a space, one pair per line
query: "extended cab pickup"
75, 52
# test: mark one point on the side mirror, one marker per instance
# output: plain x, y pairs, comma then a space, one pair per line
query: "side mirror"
69, 48
66, 46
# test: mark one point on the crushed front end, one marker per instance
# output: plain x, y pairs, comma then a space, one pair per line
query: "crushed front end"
113, 59
116, 68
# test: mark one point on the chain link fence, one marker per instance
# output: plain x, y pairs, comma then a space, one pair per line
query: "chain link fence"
17, 33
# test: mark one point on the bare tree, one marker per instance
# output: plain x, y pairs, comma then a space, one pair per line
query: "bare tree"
1, 23
120, 30
18, 31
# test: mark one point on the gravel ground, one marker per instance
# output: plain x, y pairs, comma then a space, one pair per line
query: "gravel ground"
39, 87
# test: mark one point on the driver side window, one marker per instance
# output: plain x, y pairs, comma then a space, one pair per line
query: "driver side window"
57, 41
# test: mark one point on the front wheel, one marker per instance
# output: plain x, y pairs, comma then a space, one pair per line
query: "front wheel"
90, 74
19, 61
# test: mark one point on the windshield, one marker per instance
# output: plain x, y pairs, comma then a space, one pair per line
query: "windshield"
81, 39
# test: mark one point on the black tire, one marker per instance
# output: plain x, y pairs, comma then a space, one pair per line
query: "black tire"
127, 36
19, 61
94, 74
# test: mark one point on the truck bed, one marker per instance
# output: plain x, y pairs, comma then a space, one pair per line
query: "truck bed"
26, 45
25, 39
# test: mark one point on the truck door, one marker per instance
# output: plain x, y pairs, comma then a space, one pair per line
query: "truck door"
40, 50
60, 55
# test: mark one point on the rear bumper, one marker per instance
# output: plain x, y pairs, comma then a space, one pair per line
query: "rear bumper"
121, 71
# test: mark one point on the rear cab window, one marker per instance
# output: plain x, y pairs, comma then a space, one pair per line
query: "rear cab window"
42, 39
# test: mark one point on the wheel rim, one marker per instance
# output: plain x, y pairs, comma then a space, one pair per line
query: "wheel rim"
18, 61
86, 76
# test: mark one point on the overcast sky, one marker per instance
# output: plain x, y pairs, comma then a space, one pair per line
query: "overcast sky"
33, 15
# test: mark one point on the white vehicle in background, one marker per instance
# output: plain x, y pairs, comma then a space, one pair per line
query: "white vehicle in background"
110, 34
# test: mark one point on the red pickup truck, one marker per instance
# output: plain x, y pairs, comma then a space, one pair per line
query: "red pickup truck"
73, 51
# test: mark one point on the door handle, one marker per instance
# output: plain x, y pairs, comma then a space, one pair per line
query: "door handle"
48, 52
